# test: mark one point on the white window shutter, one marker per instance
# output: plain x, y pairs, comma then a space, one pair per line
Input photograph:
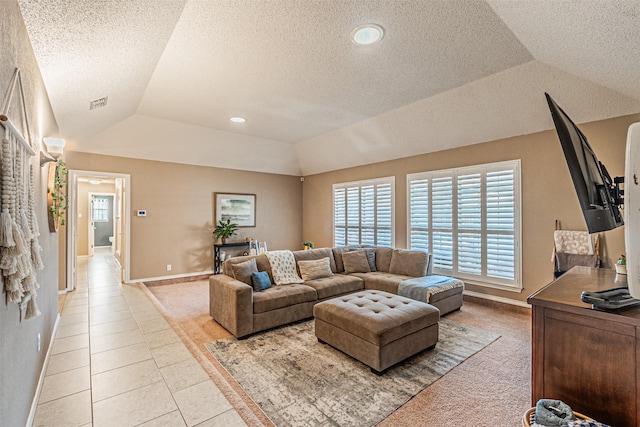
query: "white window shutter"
363, 212
442, 222
500, 224
419, 214
469, 219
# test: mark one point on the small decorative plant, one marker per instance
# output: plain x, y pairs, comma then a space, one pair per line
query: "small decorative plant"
307, 245
58, 202
224, 230
621, 265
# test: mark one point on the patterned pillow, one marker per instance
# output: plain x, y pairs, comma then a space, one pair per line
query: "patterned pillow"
283, 267
315, 269
355, 262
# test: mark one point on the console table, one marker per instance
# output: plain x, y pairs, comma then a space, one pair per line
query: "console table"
589, 359
216, 253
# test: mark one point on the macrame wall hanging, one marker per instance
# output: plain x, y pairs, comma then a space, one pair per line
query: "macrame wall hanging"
19, 247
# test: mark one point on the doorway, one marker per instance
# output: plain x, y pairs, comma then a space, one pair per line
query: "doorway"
101, 221
98, 217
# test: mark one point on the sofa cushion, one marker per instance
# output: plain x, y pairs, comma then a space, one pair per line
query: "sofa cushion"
409, 263
261, 261
371, 257
337, 255
283, 267
335, 285
260, 281
382, 281
319, 253
282, 296
355, 262
242, 271
315, 269
383, 258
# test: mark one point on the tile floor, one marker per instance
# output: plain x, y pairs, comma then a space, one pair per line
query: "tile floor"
115, 361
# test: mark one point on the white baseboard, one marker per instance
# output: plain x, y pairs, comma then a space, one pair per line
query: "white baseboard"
175, 276
497, 299
43, 372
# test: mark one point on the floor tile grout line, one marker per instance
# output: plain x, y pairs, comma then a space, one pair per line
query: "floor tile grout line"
136, 297
163, 380
216, 377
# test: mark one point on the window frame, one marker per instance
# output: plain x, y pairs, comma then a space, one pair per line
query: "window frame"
390, 180
482, 279
95, 209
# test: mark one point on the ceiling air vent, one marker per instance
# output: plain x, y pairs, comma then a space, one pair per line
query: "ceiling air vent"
97, 103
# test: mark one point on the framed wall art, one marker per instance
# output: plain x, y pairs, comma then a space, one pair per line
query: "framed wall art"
239, 208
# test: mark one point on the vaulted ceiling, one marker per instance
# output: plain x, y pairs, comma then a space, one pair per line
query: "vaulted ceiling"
447, 73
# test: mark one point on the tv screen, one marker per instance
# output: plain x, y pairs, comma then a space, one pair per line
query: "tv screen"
596, 190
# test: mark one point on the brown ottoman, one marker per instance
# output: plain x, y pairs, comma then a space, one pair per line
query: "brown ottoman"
377, 328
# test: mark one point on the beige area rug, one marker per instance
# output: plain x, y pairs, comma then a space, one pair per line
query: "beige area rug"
298, 381
490, 389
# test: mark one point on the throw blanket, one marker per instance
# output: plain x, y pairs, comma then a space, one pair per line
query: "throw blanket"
283, 267
564, 262
553, 413
423, 288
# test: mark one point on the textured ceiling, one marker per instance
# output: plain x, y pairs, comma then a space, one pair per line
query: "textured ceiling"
447, 73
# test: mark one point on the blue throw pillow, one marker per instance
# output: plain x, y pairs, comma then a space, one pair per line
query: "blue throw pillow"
260, 281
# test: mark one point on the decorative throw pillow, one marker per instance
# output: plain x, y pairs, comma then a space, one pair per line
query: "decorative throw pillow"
409, 263
260, 281
371, 257
243, 270
283, 267
315, 269
355, 262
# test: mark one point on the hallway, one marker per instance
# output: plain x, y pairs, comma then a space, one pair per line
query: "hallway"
115, 361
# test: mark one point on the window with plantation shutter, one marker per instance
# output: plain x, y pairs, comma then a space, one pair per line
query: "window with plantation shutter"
363, 212
469, 220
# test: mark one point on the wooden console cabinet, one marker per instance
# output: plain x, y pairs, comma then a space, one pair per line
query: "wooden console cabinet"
589, 359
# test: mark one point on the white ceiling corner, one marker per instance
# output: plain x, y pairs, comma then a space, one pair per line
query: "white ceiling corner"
92, 49
447, 73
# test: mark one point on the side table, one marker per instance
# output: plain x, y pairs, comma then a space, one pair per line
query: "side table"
217, 263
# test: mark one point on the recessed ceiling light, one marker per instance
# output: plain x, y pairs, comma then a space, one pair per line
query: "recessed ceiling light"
367, 34
238, 119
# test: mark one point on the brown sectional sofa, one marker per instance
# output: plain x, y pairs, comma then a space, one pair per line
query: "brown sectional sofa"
242, 311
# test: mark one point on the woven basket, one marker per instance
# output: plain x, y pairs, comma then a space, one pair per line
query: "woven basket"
527, 418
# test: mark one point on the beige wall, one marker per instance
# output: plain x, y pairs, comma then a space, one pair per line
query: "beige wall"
547, 193
179, 200
20, 363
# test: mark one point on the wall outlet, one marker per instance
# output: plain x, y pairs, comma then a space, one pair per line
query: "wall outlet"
38, 343
141, 212
168, 267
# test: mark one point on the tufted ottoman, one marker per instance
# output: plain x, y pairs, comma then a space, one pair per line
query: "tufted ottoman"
377, 328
